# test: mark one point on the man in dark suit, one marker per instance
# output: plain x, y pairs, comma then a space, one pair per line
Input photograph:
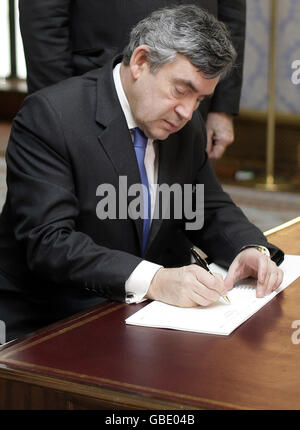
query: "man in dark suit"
61, 249
64, 38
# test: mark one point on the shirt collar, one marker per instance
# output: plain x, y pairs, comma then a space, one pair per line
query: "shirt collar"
122, 98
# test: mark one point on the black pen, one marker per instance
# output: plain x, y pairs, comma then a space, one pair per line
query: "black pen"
202, 263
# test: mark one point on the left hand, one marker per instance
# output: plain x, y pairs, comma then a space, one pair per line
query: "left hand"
251, 262
220, 133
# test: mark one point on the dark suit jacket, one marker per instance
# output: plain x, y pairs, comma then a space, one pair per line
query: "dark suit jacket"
63, 38
56, 256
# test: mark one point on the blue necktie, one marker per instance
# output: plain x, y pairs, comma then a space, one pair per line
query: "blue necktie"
140, 143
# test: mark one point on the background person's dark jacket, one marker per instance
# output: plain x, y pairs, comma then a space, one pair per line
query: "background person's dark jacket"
63, 38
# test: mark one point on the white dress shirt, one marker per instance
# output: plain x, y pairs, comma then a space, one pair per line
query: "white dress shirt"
139, 281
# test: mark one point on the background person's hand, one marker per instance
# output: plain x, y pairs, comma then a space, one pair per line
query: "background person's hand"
251, 262
187, 286
220, 133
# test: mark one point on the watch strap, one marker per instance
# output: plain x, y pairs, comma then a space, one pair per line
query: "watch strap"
259, 248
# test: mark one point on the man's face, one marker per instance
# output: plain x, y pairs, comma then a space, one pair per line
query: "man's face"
164, 101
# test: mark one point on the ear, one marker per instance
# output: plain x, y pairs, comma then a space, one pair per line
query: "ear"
139, 61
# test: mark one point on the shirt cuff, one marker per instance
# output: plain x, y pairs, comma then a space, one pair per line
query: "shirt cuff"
139, 281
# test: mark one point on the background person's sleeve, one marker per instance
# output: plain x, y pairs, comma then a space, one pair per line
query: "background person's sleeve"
228, 92
45, 30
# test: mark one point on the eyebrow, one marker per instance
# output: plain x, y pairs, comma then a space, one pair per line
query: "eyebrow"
190, 84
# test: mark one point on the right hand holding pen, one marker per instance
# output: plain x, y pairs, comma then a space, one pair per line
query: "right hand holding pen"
187, 286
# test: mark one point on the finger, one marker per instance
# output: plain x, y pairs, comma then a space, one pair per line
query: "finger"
208, 287
262, 287
267, 275
232, 275
217, 150
280, 277
212, 282
209, 144
211, 292
272, 282
262, 271
194, 286
219, 276
201, 300
273, 278
205, 296
263, 276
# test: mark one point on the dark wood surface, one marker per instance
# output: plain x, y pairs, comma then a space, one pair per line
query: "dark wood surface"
94, 360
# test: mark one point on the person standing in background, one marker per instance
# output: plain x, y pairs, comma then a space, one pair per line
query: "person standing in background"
64, 38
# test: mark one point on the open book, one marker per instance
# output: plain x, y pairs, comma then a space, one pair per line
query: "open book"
219, 318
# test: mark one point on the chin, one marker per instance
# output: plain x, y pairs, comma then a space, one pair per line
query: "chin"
160, 135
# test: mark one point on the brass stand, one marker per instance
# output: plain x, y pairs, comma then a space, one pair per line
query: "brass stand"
270, 184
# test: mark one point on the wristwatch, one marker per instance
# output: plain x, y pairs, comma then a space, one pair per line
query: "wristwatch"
259, 248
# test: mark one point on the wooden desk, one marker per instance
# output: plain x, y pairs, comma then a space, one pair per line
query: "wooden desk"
95, 361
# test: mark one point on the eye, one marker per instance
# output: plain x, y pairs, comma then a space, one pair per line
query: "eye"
179, 91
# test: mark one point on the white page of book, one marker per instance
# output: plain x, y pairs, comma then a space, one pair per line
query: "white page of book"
219, 318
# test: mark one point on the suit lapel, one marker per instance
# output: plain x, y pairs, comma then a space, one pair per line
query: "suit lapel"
167, 168
115, 137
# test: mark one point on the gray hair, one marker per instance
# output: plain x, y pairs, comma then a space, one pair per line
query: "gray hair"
187, 30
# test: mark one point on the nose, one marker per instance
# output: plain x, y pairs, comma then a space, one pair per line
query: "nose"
185, 110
